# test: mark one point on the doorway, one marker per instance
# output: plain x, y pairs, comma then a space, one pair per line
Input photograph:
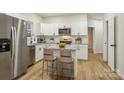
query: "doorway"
90, 39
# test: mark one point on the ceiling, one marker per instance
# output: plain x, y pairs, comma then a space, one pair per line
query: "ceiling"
54, 14
98, 16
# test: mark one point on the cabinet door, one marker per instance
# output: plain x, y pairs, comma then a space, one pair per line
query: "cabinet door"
79, 52
50, 29
85, 50
82, 52
41, 29
44, 28
55, 29
79, 28
74, 28
83, 28
39, 52
36, 53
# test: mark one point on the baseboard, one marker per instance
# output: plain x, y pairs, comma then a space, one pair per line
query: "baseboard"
120, 73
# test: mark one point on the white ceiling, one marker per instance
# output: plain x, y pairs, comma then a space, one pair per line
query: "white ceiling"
54, 14
98, 16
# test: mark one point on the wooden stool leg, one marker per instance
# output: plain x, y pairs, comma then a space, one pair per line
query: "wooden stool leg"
57, 70
47, 68
62, 71
52, 69
42, 69
72, 70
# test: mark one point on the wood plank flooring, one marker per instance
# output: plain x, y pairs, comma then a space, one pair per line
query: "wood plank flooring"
94, 69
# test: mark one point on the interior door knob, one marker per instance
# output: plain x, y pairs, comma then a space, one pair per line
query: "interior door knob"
112, 45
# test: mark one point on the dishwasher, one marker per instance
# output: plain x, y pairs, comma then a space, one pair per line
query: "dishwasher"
32, 55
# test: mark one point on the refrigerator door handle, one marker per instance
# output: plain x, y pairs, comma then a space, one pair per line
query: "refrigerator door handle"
14, 34
12, 40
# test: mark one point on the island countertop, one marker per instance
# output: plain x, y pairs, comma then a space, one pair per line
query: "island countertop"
73, 49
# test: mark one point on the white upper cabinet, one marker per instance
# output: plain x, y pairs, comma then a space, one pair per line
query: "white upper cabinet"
54, 29
46, 29
50, 29
36, 29
79, 28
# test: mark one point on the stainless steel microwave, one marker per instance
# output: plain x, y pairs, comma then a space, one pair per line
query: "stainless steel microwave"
64, 31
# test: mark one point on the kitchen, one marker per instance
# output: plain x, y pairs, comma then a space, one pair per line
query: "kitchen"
61, 46
25, 38
48, 35
53, 34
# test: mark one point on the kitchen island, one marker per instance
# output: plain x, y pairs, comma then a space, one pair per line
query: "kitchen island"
67, 66
79, 52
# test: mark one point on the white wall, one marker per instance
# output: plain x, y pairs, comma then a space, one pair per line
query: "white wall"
29, 17
66, 19
26, 16
98, 35
119, 41
120, 44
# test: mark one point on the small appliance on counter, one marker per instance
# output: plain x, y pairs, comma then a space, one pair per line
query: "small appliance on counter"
41, 39
31, 41
78, 40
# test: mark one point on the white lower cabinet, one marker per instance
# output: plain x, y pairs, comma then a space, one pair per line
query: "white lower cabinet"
82, 52
39, 52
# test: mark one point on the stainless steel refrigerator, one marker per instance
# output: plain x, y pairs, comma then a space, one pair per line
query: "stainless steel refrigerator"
14, 52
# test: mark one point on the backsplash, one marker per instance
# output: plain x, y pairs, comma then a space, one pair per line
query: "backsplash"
57, 39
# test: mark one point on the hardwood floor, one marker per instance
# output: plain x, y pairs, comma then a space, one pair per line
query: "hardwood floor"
94, 69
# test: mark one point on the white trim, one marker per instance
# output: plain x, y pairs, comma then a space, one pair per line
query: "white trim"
120, 73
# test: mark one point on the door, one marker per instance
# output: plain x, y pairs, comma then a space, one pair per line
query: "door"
21, 51
6, 63
111, 43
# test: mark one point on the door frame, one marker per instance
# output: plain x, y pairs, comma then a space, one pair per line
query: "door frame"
107, 36
93, 33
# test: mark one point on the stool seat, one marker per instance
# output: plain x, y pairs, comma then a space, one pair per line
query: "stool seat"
49, 58
66, 60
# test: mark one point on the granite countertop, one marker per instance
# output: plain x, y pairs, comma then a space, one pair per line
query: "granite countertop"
53, 43
73, 49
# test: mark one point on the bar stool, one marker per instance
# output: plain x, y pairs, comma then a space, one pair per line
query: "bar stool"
66, 58
49, 58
